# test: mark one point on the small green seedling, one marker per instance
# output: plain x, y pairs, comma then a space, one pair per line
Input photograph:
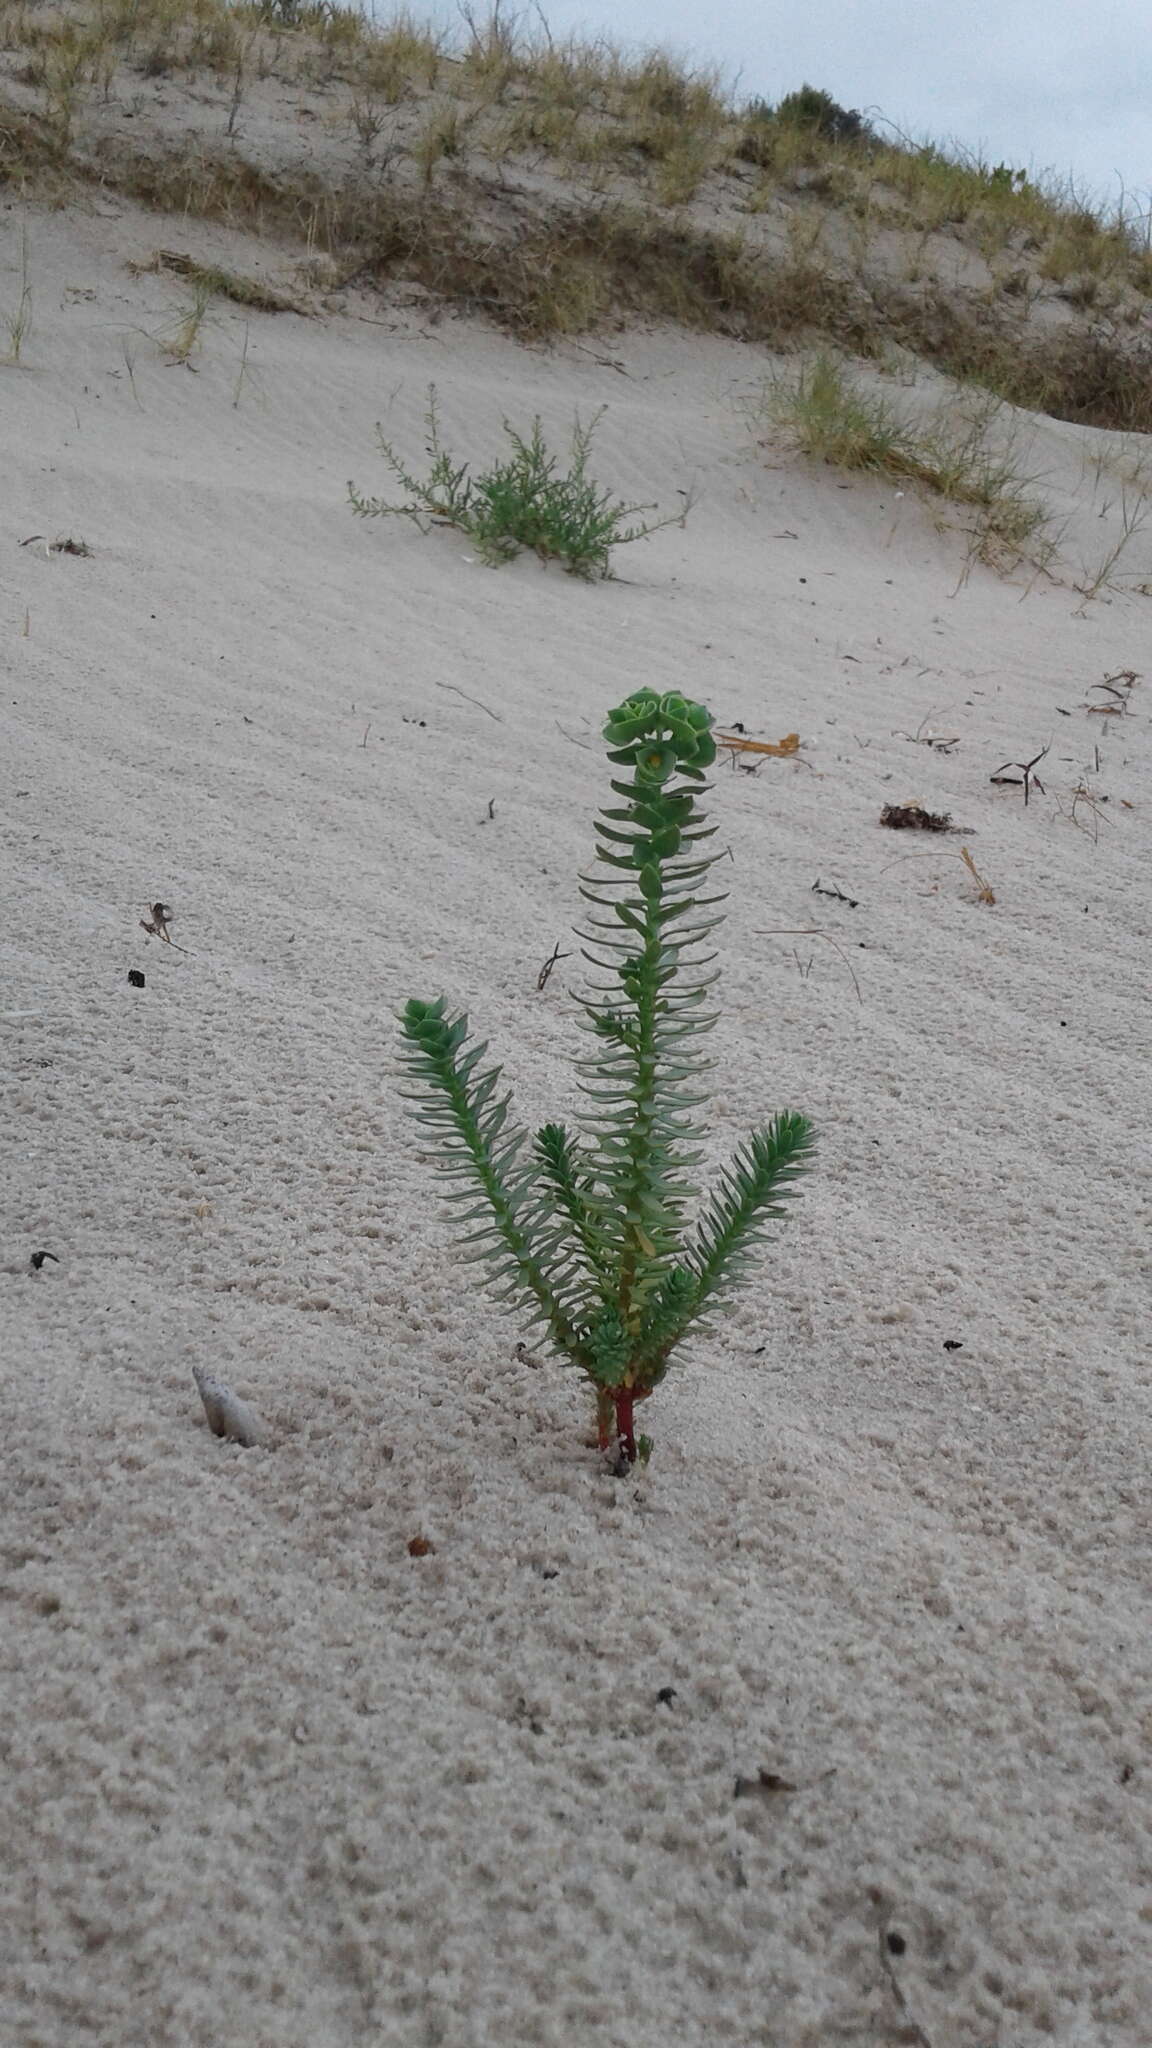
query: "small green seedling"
522, 502
587, 1235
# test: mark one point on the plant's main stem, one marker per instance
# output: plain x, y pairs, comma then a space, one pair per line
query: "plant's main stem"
624, 1401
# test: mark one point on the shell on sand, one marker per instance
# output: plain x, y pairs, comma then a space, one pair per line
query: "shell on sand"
228, 1416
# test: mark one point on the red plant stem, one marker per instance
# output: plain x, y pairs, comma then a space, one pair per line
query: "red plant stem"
624, 1397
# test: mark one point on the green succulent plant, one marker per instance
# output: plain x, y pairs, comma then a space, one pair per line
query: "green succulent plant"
588, 1234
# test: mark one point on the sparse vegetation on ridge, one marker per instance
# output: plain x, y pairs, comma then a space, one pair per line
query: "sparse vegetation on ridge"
551, 184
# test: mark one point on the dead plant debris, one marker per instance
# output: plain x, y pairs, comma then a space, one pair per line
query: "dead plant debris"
939, 742
1027, 775
763, 1786
984, 892
223, 284
740, 745
770, 1785
914, 818
63, 546
837, 895
157, 925
1119, 688
810, 931
542, 979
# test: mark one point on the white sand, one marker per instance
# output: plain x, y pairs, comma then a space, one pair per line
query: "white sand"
268, 1780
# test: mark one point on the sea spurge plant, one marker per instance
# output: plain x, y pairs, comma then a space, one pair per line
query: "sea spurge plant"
588, 1235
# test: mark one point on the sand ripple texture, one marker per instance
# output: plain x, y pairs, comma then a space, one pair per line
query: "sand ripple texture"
268, 1779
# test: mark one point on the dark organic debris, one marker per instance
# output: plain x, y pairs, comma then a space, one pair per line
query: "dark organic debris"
914, 818
837, 895
953, 1344
419, 1546
67, 546
765, 1785
135, 976
1027, 775
1118, 687
38, 1258
543, 976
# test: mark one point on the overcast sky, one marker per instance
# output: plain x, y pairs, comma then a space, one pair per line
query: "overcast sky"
1037, 84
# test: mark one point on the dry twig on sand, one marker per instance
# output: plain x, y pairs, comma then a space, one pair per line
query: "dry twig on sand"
811, 931
739, 745
984, 891
1027, 775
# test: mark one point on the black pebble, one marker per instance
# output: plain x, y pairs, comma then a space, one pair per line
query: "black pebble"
135, 977
896, 1944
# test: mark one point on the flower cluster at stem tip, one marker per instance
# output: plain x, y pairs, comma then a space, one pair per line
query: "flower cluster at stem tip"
660, 735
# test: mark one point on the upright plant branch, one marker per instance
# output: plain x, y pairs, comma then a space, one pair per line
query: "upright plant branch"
587, 1234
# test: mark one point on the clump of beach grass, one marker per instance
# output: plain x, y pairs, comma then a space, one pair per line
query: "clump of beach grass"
832, 420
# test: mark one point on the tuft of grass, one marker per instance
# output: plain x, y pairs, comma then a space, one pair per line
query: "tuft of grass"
833, 422
179, 341
1135, 510
441, 139
18, 320
524, 502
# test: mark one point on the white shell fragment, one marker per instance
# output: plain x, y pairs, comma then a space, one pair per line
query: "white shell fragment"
228, 1416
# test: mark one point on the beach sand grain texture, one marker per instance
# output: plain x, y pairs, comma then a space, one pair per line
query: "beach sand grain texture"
265, 1776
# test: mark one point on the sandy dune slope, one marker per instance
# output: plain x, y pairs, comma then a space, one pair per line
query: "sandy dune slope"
270, 1781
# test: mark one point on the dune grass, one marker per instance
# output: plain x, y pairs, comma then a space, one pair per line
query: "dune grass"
16, 318
833, 421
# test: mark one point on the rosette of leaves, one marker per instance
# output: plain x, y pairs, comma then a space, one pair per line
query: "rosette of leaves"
588, 1232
